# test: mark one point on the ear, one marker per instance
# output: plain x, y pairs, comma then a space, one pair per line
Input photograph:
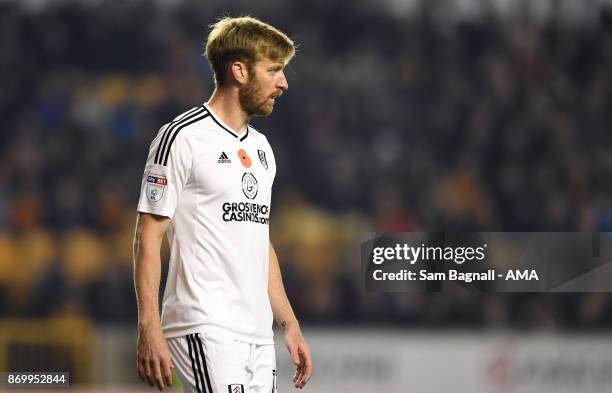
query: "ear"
240, 72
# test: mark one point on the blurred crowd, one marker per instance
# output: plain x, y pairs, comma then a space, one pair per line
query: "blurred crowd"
389, 124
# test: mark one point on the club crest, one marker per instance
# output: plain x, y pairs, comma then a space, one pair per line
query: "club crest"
262, 158
235, 388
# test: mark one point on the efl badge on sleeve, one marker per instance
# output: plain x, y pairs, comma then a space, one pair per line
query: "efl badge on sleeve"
156, 184
235, 388
262, 158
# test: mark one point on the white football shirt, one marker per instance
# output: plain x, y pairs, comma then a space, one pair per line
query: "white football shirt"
215, 185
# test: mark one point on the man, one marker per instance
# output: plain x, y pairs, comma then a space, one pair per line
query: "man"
207, 183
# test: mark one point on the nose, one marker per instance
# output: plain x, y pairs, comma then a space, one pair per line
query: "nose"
282, 82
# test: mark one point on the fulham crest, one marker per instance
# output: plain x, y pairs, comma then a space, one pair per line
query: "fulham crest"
262, 158
235, 388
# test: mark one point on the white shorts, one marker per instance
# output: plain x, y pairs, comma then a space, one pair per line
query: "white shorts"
211, 363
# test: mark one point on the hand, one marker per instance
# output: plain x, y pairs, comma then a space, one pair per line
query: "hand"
154, 362
300, 355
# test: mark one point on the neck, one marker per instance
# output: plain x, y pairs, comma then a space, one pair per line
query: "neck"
226, 105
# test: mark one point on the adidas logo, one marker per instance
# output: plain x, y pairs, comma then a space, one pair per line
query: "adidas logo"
224, 159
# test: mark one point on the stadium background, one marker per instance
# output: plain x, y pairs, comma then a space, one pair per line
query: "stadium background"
401, 115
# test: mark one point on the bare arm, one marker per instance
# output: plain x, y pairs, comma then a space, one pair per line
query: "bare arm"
285, 318
154, 362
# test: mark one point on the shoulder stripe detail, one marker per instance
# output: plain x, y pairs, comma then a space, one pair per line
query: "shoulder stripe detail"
193, 363
208, 384
185, 114
164, 128
158, 135
175, 123
176, 120
176, 132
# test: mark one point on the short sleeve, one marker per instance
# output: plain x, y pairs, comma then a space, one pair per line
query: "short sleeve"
166, 173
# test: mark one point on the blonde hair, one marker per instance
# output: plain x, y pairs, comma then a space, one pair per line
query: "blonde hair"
245, 39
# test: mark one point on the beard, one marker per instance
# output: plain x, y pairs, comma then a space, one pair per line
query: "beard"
253, 101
